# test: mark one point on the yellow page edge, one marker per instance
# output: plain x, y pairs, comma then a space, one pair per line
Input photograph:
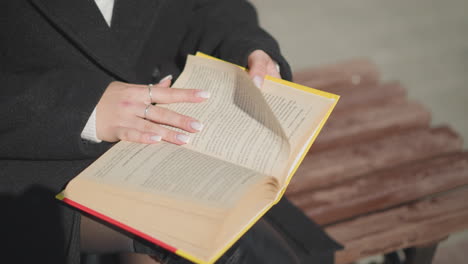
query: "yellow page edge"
192, 258
206, 56
317, 132
303, 88
60, 196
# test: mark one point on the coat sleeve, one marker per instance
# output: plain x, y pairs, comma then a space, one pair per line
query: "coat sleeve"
42, 113
229, 29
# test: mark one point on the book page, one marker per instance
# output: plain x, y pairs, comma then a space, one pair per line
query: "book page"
300, 114
172, 171
239, 125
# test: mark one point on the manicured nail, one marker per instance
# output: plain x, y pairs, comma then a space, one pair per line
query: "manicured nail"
183, 138
203, 94
156, 138
196, 125
258, 81
169, 77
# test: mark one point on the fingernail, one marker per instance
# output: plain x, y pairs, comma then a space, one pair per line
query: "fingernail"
196, 125
203, 94
169, 77
183, 138
156, 138
258, 81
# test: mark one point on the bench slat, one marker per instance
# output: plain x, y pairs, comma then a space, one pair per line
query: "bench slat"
325, 168
371, 122
360, 96
418, 223
385, 189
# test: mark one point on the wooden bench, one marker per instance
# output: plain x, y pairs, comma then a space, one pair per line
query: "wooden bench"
379, 178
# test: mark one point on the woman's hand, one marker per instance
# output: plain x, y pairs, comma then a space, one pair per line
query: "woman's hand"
120, 113
260, 64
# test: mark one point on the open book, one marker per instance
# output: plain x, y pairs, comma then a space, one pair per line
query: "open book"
198, 199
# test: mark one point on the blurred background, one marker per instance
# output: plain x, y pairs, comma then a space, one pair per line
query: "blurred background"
421, 43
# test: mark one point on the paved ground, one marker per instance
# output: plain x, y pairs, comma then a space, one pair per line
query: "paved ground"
422, 43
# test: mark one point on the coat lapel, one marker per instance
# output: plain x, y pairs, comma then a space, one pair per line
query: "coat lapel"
83, 23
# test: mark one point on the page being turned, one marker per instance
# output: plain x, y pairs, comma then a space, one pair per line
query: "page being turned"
239, 125
299, 112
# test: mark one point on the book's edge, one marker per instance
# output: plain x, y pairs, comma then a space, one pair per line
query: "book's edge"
206, 56
61, 196
303, 88
317, 132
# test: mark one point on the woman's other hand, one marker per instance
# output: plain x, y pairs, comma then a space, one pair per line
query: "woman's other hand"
261, 64
125, 112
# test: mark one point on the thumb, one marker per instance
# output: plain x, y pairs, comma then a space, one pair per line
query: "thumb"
258, 68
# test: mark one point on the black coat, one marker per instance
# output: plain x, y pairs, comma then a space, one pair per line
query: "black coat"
57, 57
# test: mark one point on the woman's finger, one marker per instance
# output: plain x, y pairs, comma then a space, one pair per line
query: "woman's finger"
261, 68
261, 64
167, 134
165, 95
168, 117
161, 93
258, 68
133, 135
